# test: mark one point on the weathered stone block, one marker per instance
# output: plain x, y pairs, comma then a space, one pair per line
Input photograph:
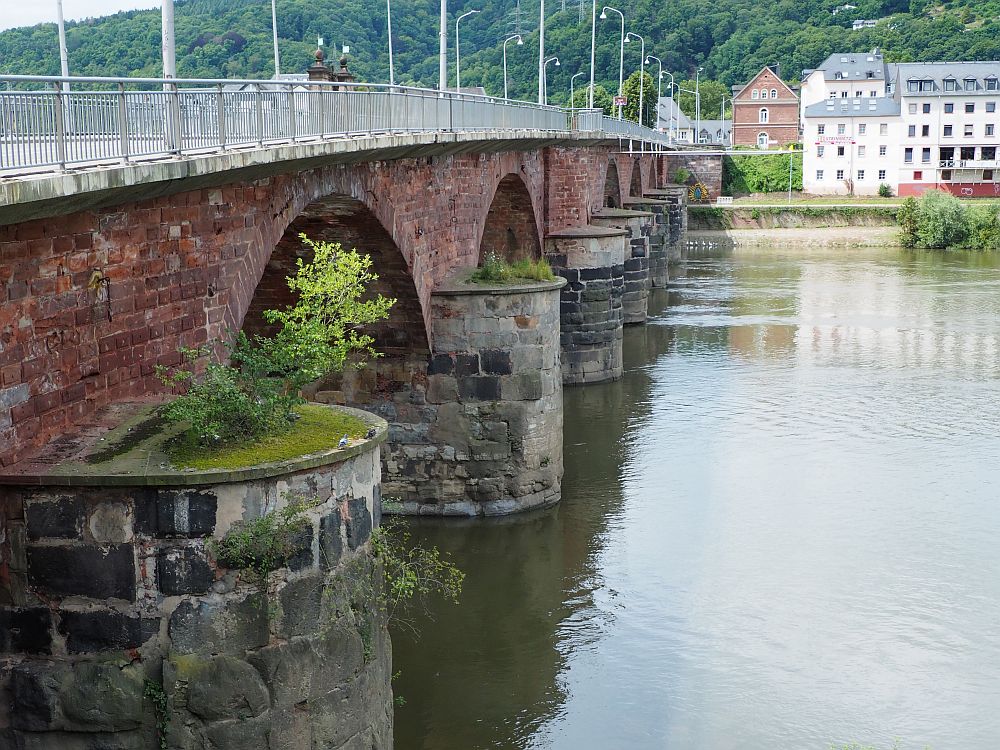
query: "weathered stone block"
99, 630
331, 544
63, 518
229, 627
481, 388
359, 523
185, 513
103, 697
82, 570
495, 362
225, 687
26, 630
183, 571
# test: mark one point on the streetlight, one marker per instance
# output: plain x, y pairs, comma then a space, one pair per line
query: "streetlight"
274, 35
388, 24
541, 52
722, 118
545, 80
670, 121
642, 69
443, 47
693, 93
659, 82
593, 41
63, 55
519, 43
621, 51
571, 91
168, 44
458, 58
697, 105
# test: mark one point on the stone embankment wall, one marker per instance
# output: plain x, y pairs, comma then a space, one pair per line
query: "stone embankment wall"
790, 217
119, 630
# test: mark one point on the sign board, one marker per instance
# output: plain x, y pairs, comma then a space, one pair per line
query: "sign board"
620, 101
835, 140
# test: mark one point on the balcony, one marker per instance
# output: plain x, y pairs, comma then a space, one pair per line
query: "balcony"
969, 164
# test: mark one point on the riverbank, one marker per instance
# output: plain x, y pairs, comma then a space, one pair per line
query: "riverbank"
791, 216
858, 236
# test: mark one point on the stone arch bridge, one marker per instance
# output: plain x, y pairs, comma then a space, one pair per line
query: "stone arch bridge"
108, 270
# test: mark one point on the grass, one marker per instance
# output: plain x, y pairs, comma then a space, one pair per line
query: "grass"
496, 270
318, 429
805, 199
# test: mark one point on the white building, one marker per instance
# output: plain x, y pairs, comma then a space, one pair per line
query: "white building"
911, 126
864, 23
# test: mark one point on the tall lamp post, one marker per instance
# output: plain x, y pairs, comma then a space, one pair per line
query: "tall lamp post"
519, 43
693, 93
167, 32
722, 119
443, 47
571, 89
659, 83
388, 25
274, 37
642, 69
697, 105
458, 54
541, 52
63, 54
545, 79
593, 42
670, 121
621, 51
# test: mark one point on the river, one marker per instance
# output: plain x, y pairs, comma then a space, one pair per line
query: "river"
779, 531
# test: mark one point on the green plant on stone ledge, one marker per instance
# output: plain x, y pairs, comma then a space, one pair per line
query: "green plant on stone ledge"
255, 390
153, 692
495, 269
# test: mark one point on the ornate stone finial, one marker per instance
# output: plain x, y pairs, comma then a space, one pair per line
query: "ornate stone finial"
319, 55
318, 71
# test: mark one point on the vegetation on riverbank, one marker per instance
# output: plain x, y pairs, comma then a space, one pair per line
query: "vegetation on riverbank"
939, 221
761, 174
790, 216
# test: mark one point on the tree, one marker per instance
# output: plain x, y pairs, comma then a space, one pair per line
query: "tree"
602, 98
711, 98
631, 91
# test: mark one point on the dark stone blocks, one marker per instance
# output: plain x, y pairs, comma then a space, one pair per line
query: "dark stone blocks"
26, 630
482, 388
359, 525
61, 519
176, 513
82, 570
183, 571
496, 362
100, 630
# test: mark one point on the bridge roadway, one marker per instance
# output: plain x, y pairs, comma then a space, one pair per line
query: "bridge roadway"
186, 206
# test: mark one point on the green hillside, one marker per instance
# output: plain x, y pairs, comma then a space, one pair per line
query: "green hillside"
732, 39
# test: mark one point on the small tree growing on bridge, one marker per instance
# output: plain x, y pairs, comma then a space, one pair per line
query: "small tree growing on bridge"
255, 393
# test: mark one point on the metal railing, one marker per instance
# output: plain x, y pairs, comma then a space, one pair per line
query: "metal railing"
119, 120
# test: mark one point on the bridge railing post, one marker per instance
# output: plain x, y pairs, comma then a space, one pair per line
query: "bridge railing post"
123, 129
292, 129
220, 113
60, 127
259, 112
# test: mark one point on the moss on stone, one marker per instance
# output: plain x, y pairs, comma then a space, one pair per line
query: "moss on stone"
318, 429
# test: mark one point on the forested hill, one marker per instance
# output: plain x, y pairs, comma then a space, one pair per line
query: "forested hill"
732, 39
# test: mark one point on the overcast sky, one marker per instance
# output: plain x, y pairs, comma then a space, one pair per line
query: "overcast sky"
20, 13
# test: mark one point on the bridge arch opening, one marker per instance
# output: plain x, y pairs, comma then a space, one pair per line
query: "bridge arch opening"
511, 228
635, 183
612, 187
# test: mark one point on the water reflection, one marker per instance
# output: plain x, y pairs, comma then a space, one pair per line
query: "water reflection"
778, 530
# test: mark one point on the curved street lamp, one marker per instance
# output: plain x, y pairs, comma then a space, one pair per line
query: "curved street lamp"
642, 69
593, 42
545, 78
659, 83
621, 51
458, 58
520, 41
571, 90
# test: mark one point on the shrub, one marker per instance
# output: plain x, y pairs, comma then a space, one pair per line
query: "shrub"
255, 392
907, 218
983, 226
681, 176
885, 190
760, 174
940, 220
495, 269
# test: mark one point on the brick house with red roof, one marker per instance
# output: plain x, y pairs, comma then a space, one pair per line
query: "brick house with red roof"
765, 111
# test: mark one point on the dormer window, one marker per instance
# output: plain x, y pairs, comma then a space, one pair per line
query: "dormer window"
950, 84
991, 84
870, 74
913, 86
970, 84
838, 75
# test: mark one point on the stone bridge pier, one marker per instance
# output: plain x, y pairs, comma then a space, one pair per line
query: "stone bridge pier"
107, 275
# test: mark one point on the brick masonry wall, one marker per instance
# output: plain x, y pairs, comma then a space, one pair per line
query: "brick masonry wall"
105, 588
703, 168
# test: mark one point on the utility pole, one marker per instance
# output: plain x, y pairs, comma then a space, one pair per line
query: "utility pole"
541, 52
63, 54
274, 33
443, 48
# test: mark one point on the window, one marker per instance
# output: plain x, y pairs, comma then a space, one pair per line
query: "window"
872, 94
841, 128
857, 94
881, 150
967, 152
862, 128
945, 174
913, 86
949, 107
840, 174
918, 175
926, 108
881, 174
989, 153
946, 154
950, 84
908, 155
861, 151
991, 84
821, 129
988, 175
820, 150
755, 94
819, 174
913, 109
762, 140
883, 128
843, 94
925, 130
861, 174
947, 131
970, 107
970, 84
925, 155
989, 129
968, 131
762, 115
774, 93
840, 150
911, 131
833, 94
